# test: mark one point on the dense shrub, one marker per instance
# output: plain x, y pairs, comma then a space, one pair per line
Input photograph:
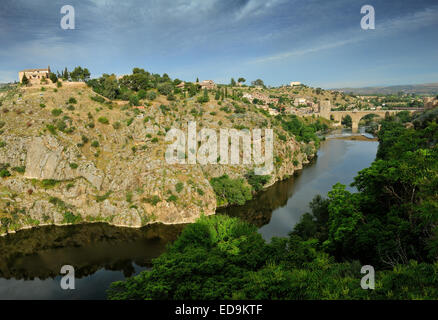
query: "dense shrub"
230, 191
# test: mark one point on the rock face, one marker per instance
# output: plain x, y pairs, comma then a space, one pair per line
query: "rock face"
48, 159
70, 168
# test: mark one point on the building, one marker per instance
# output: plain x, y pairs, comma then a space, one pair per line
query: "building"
34, 75
300, 101
181, 85
430, 102
259, 96
295, 83
207, 84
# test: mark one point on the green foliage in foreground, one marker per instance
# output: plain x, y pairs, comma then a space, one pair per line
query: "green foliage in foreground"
224, 258
391, 223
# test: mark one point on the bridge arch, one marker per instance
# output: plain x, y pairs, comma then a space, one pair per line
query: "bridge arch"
356, 116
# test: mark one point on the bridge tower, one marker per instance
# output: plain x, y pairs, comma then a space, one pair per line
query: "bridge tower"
325, 108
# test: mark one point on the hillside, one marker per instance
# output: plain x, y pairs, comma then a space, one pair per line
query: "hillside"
420, 89
68, 155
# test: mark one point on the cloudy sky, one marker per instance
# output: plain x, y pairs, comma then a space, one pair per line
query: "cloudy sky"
317, 42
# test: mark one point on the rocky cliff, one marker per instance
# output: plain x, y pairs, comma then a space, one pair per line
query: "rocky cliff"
67, 158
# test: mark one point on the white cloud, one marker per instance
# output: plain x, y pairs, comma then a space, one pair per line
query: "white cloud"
417, 20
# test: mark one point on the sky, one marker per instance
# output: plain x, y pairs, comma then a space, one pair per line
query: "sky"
317, 42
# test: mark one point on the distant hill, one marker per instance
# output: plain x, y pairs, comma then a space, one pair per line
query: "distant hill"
424, 89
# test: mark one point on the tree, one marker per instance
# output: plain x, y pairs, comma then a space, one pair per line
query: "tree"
65, 75
233, 82
209, 260
25, 80
86, 74
258, 83
241, 80
53, 77
347, 121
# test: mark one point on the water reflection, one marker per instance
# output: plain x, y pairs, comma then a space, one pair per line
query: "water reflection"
41, 252
277, 210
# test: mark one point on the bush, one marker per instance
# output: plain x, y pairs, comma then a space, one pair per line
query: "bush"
73, 165
152, 200
95, 144
97, 99
230, 191
4, 173
165, 89
103, 120
56, 112
72, 100
179, 187
70, 218
151, 95
257, 181
20, 169
51, 129
116, 125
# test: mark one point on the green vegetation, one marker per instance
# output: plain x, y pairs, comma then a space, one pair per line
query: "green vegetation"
73, 165
152, 200
230, 191
103, 120
179, 187
56, 112
257, 181
300, 129
391, 223
70, 218
72, 100
103, 197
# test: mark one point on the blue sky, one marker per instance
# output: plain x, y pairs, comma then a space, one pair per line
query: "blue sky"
319, 43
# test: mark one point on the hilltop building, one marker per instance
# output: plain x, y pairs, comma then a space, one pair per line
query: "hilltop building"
207, 84
295, 83
34, 75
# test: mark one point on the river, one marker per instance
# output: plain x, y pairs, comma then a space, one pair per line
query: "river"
31, 260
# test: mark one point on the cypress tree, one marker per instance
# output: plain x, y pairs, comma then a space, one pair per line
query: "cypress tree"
24, 80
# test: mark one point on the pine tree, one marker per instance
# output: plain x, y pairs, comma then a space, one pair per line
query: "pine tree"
65, 74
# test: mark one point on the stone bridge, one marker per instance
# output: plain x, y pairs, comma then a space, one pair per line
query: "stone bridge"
356, 116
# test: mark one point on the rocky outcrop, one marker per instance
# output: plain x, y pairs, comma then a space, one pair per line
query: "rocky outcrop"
47, 159
72, 166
